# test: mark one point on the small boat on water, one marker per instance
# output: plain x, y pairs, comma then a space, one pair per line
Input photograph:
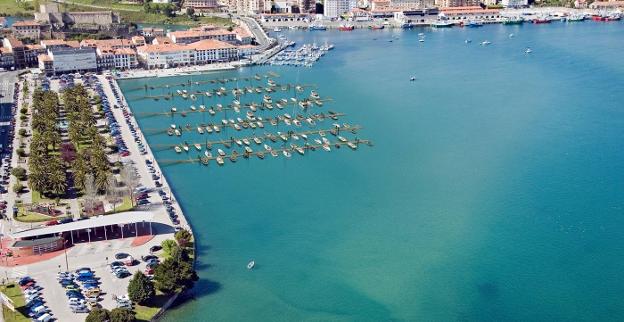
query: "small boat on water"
326, 147
485, 43
198, 146
200, 130
193, 108
528, 51
346, 28
220, 160
274, 153
174, 109
474, 24
177, 149
221, 152
208, 154
442, 24
286, 153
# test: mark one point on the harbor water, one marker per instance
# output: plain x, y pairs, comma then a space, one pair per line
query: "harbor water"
493, 191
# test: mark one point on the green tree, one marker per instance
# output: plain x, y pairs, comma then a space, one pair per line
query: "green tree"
168, 245
174, 275
19, 173
121, 315
183, 237
140, 288
98, 315
18, 187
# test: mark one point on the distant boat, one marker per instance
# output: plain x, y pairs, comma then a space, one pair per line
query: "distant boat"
442, 24
467, 41
412, 78
277, 29
485, 43
251, 264
528, 51
346, 28
317, 27
474, 24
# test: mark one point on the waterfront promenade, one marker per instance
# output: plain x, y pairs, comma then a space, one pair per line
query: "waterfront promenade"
98, 254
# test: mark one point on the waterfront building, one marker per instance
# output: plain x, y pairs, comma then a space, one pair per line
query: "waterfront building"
26, 29
120, 58
65, 60
307, 6
201, 5
412, 4
164, 56
470, 13
417, 15
336, 8
456, 3
515, 3
201, 33
211, 51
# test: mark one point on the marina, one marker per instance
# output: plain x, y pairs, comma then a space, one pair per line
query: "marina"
464, 192
294, 110
305, 56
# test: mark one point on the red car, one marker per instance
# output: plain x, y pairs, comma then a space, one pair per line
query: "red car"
51, 223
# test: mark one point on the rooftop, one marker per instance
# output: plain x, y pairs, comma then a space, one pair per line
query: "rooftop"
35, 242
209, 44
26, 23
128, 217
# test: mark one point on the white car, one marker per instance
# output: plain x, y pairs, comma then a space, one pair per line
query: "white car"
45, 318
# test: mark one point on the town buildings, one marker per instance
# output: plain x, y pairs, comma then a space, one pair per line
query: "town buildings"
336, 8
201, 5
200, 52
26, 29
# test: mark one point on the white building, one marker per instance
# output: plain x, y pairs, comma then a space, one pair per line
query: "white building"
164, 56
335, 8
211, 51
73, 59
515, 3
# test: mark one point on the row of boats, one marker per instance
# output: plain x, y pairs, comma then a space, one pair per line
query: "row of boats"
266, 104
255, 122
304, 56
321, 142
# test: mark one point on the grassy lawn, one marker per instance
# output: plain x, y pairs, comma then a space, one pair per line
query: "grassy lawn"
126, 205
132, 13
21, 312
16, 8
146, 312
109, 4
27, 216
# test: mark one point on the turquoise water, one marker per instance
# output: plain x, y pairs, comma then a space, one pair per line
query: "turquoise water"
493, 192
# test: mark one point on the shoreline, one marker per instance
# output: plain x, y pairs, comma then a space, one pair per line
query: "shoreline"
172, 72
184, 223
